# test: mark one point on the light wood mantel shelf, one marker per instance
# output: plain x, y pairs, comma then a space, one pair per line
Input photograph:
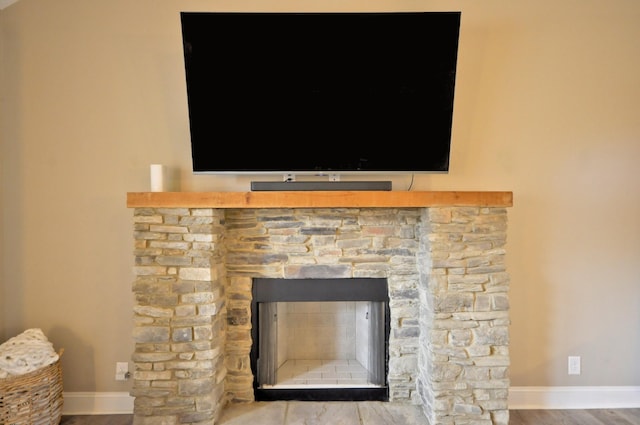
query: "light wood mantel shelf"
317, 199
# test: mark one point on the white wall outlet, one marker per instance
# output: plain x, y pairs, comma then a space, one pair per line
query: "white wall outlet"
574, 365
122, 371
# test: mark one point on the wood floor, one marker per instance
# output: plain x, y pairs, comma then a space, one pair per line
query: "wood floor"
97, 420
575, 417
517, 417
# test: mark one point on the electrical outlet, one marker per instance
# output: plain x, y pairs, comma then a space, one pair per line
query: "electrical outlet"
122, 371
574, 365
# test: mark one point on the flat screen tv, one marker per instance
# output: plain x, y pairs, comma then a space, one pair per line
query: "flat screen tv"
320, 93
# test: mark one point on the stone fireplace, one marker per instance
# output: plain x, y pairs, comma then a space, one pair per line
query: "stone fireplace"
442, 255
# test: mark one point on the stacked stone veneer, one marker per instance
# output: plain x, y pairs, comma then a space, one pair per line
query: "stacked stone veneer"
448, 346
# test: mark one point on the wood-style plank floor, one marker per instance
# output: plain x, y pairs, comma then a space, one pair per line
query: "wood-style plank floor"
575, 417
517, 417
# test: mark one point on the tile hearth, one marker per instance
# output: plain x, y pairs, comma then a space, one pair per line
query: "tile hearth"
334, 413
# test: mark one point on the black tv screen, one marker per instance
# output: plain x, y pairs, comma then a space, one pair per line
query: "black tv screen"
320, 93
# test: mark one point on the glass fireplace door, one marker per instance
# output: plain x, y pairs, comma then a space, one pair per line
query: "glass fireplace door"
321, 344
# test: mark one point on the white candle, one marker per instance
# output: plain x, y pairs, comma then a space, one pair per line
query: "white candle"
157, 177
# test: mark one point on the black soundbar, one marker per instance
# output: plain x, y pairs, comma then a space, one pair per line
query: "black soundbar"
321, 185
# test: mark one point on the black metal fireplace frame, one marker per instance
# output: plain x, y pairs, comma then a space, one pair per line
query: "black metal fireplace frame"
334, 289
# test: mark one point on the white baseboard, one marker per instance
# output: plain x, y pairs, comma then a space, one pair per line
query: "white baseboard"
111, 403
85, 403
574, 397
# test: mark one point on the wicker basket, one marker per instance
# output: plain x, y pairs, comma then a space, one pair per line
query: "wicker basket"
34, 398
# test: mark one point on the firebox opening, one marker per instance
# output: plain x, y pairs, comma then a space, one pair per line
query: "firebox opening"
320, 339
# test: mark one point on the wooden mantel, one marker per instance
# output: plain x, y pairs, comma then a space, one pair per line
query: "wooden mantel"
318, 199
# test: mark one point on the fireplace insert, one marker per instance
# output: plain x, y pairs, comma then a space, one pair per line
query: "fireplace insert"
320, 339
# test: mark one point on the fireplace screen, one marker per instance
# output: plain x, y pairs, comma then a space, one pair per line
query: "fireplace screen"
320, 339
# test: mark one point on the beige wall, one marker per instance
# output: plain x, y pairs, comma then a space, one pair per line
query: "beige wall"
547, 106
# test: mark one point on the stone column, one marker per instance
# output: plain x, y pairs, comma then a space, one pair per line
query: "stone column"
179, 316
464, 341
